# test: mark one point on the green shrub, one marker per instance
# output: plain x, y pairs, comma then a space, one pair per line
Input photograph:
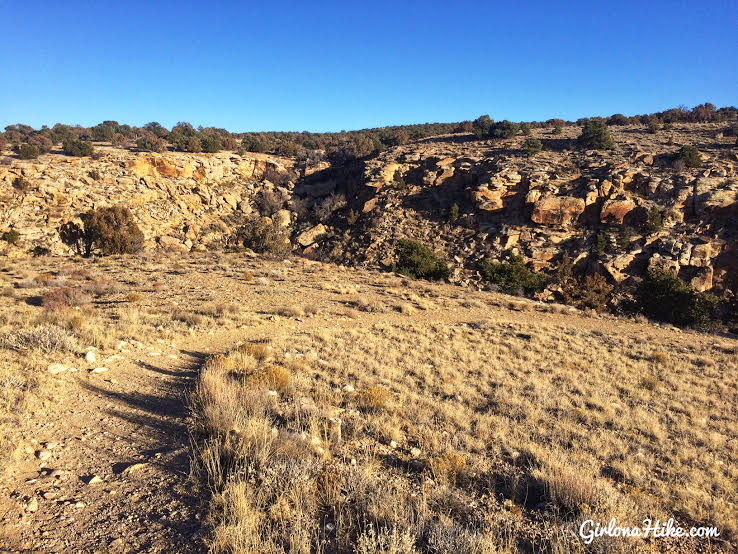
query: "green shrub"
185, 138
654, 221
653, 127
526, 129
481, 126
532, 146
624, 238
211, 144
150, 142
77, 148
503, 129
689, 155
28, 151
109, 230
414, 259
512, 276
617, 119
453, 213
261, 235
596, 135
601, 243
11, 237
663, 296
251, 143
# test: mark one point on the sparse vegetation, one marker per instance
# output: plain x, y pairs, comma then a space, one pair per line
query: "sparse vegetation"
261, 235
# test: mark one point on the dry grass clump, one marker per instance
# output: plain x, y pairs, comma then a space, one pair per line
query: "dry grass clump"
134, 297
291, 311
217, 310
47, 339
449, 468
191, 319
659, 357
370, 306
373, 398
285, 481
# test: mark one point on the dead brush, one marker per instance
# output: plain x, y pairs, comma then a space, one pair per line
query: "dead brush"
570, 490
218, 310
44, 338
649, 382
64, 297
190, 319
272, 377
449, 468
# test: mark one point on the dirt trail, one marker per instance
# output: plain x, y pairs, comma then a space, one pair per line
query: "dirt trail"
106, 463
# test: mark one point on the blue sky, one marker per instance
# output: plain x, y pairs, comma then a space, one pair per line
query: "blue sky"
327, 66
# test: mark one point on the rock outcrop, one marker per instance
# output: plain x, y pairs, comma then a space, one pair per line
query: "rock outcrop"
596, 207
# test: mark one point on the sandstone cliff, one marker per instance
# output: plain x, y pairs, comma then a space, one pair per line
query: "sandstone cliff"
591, 205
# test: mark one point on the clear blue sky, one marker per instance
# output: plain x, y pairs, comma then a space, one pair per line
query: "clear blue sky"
327, 66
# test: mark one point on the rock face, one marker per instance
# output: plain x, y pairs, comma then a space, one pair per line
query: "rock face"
180, 201
557, 210
614, 210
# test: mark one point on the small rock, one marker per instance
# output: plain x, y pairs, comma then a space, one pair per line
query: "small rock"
43, 455
134, 467
90, 357
348, 388
415, 452
96, 479
32, 506
393, 444
55, 369
99, 370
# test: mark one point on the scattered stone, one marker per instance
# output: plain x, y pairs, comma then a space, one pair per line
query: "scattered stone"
99, 370
415, 452
90, 357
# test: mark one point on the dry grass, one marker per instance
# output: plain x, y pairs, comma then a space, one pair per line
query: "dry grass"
528, 427
456, 425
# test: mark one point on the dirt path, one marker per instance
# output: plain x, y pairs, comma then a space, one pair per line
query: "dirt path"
106, 462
